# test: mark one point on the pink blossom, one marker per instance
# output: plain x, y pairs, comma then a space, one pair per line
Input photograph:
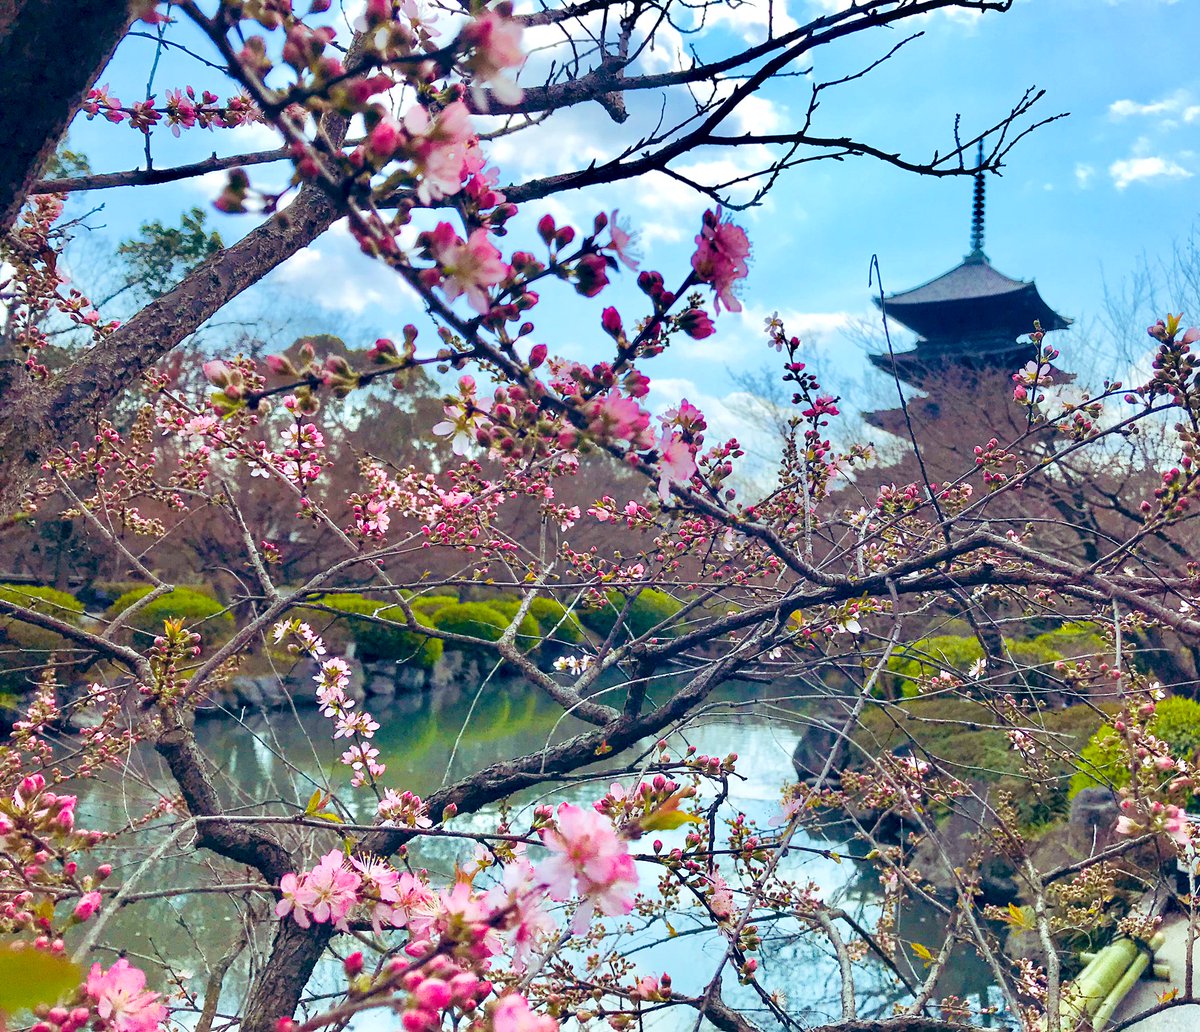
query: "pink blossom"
439, 149
720, 899
676, 464
469, 267
466, 916
647, 988
88, 904
512, 1014
620, 242
122, 999
414, 906
497, 43
335, 889
297, 899
586, 849
381, 881
528, 922
463, 418
1177, 826
720, 259
613, 417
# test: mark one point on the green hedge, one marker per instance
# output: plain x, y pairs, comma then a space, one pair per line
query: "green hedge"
377, 642
199, 609
1036, 657
485, 621
928, 657
649, 609
430, 604
1103, 761
556, 622
24, 648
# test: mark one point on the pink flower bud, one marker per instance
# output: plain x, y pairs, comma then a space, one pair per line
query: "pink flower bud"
433, 995
696, 324
216, 372
610, 321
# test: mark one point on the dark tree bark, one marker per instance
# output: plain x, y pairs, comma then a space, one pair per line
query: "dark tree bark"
36, 418
52, 53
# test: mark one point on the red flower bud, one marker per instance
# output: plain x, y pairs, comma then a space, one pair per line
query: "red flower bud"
696, 323
610, 320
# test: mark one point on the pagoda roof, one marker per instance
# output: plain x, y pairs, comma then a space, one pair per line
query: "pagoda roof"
973, 300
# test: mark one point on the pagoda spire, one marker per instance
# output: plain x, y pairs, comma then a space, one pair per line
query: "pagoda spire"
977, 212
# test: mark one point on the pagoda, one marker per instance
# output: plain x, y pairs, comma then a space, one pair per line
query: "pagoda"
968, 322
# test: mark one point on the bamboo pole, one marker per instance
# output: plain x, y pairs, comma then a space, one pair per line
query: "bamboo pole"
1160, 969
1127, 981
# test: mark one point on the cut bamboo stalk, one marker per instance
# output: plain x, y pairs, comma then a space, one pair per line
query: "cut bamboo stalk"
1087, 992
1127, 981
1160, 969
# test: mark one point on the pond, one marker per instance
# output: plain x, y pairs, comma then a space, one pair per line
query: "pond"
271, 762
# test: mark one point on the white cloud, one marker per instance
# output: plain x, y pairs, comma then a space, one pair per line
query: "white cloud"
1136, 170
741, 339
336, 275
1176, 103
751, 19
1083, 175
725, 414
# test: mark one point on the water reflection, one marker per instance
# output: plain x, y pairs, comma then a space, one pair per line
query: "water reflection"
273, 764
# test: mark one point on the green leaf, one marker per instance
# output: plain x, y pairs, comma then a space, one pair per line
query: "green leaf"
921, 951
314, 802
30, 977
668, 820
668, 816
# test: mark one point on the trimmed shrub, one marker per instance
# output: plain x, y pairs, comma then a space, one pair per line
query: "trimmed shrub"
430, 604
25, 648
556, 623
928, 657
1104, 762
1074, 641
198, 608
483, 620
1035, 657
379, 642
648, 610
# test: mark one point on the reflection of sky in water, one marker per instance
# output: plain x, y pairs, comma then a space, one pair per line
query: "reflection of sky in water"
277, 764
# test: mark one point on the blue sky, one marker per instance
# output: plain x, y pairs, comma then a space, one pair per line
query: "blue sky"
1080, 201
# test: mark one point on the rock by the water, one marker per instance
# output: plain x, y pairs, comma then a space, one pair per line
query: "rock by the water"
961, 837
1093, 817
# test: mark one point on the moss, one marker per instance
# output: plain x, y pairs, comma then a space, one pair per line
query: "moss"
647, 610
482, 620
380, 642
962, 736
1104, 760
197, 607
24, 648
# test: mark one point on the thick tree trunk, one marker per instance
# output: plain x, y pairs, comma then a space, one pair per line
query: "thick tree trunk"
35, 418
51, 53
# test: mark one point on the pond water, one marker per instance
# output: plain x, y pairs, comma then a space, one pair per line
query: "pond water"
276, 762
